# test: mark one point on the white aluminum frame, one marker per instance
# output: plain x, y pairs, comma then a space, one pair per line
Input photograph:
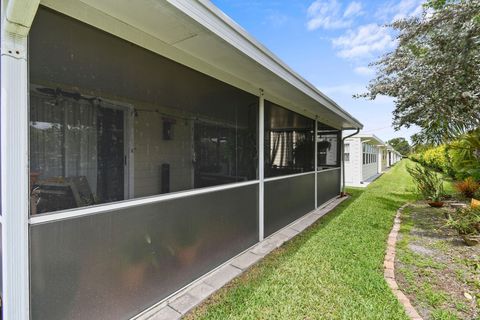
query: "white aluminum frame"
315, 154
114, 206
15, 178
330, 169
261, 166
289, 176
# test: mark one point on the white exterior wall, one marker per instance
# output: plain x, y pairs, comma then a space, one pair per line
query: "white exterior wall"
369, 170
357, 173
353, 168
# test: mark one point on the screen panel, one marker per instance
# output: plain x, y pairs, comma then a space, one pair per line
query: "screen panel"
114, 265
328, 185
328, 147
288, 199
111, 121
289, 142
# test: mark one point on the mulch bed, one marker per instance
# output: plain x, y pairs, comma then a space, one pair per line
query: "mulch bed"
434, 268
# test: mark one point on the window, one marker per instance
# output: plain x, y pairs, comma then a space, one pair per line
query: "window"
346, 154
328, 147
289, 142
110, 121
369, 154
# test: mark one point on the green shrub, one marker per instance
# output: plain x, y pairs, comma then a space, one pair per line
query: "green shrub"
459, 159
437, 158
466, 221
428, 183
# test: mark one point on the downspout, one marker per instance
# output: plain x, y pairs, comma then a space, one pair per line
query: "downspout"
343, 194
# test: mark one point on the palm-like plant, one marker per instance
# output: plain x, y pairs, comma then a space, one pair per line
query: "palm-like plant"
429, 184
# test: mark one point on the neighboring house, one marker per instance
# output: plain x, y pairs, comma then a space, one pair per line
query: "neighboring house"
392, 155
366, 157
144, 144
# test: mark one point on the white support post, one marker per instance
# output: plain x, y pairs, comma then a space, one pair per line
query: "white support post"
315, 139
15, 181
261, 165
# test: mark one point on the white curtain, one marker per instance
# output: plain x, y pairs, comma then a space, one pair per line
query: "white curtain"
63, 138
81, 140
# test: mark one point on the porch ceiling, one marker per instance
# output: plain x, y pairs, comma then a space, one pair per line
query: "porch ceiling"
197, 34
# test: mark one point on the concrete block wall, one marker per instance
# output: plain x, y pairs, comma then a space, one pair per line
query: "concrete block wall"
151, 151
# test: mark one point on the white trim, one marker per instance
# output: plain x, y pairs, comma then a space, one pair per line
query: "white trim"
289, 176
204, 17
212, 18
15, 177
331, 169
261, 166
104, 208
315, 154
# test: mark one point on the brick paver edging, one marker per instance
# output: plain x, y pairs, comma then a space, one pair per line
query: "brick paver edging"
389, 267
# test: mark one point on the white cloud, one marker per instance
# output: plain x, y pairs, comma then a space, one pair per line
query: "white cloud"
364, 42
277, 19
324, 14
364, 71
394, 10
353, 9
328, 14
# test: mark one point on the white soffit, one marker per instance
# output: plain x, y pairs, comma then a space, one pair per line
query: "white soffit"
199, 35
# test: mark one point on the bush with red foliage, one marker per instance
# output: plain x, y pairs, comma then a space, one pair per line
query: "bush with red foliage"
467, 187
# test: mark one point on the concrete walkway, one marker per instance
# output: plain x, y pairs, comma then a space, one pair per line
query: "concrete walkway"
191, 296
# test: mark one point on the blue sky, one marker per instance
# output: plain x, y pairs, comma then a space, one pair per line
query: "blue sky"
330, 43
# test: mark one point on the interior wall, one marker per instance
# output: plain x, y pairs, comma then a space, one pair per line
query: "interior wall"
152, 151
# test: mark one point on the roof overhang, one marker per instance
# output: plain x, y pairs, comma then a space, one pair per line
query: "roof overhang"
17, 16
370, 138
198, 35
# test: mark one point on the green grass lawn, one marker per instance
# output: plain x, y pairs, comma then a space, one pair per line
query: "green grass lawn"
334, 270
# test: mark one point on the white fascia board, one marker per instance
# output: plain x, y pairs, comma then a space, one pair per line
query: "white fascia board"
209, 16
370, 136
375, 139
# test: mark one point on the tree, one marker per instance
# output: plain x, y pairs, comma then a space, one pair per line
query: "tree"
401, 145
434, 73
